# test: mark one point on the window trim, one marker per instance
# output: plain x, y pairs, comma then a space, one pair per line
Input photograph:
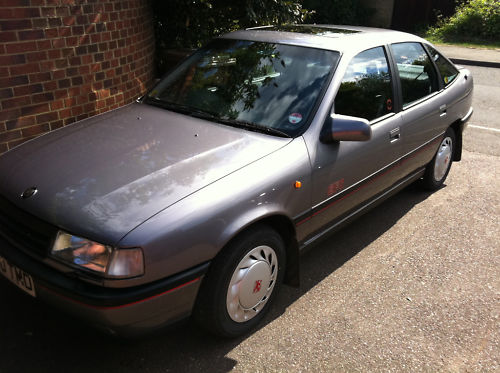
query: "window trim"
396, 98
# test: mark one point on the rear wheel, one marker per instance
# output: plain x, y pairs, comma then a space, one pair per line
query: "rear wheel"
241, 283
437, 170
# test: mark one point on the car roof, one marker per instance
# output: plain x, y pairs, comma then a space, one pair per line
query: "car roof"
340, 38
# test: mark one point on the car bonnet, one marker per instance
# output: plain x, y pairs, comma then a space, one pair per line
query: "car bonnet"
102, 177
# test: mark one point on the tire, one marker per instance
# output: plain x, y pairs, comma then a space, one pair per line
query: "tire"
437, 170
241, 283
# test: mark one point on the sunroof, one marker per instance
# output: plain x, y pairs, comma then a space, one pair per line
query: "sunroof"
311, 29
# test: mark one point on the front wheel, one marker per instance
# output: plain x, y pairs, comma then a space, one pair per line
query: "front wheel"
437, 170
241, 283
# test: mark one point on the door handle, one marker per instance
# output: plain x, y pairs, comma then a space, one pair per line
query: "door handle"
394, 134
442, 110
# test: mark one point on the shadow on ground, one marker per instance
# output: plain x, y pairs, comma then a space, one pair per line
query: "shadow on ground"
37, 338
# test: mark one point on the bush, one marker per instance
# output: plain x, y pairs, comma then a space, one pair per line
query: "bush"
341, 12
474, 19
189, 24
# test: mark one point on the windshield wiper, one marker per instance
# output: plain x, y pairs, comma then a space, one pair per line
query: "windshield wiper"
252, 126
203, 114
183, 109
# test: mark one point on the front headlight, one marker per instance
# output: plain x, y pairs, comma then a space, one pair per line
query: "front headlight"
97, 257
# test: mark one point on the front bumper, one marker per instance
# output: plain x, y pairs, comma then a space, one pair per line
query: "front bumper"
118, 311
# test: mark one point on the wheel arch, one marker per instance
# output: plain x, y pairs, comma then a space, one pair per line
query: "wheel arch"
286, 229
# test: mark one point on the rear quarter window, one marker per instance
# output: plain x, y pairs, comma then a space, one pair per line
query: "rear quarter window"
446, 69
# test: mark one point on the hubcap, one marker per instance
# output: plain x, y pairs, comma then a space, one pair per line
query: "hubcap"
443, 159
252, 283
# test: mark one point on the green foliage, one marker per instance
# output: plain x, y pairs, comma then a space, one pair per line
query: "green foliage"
342, 12
191, 23
473, 20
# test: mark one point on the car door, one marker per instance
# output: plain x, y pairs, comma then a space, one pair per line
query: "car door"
347, 173
423, 106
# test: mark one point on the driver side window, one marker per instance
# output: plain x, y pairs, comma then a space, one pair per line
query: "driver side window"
366, 89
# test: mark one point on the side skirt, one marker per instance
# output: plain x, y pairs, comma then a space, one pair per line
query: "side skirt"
360, 210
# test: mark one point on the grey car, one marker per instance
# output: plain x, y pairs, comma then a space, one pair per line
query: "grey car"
199, 198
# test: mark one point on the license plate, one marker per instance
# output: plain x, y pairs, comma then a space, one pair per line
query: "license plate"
17, 276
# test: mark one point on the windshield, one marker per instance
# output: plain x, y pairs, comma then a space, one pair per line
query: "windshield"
260, 85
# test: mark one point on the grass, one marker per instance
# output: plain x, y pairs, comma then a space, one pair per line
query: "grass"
481, 44
473, 43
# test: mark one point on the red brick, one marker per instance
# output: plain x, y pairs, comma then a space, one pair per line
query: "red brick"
7, 36
9, 114
20, 123
75, 61
6, 93
28, 89
74, 91
55, 125
35, 109
12, 60
16, 102
35, 130
42, 97
21, 47
25, 69
83, 70
62, 63
56, 105
10, 135
58, 43
69, 121
77, 110
48, 11
39, 23
47, 117
77, 30
31, 35
5, 13
18, 24
47, 65
40, 77
51, 33
61, 93
58, 74
13, 81
43, 44
68, 21
36, 56
54, 54
65, 113
64, 83
3, 148
50, 86
54, 22
25, 12
71, 41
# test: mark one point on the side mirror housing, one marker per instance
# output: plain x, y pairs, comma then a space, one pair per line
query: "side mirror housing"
345, 128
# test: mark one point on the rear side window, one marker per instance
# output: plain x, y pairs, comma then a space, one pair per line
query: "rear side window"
366, 89
446, 69
416, 71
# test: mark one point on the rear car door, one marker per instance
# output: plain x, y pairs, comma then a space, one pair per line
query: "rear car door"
424, 117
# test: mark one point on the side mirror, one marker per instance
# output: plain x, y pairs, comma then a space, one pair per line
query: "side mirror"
345, 128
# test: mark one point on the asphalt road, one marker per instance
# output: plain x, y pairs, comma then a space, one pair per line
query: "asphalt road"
411, 286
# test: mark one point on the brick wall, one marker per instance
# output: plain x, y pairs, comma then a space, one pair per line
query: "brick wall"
66, 60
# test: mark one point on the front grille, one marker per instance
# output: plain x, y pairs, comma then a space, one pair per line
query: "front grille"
24, 230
